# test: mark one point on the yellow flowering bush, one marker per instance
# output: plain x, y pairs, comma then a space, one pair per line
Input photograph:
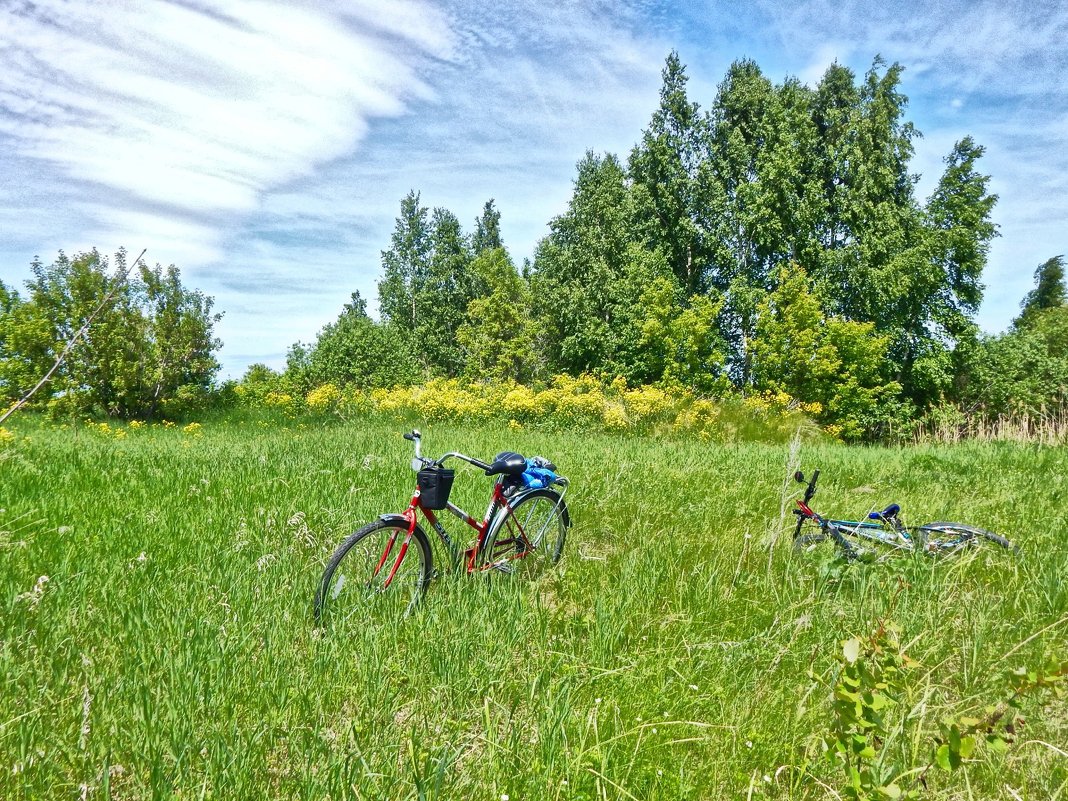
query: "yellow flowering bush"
107, 431
520, 403
447, 399
781, 403
615, 418
568, 401
6, 437
103, 429
701, 416
193, 429
647, 404
323, 399
391, 400
282, 401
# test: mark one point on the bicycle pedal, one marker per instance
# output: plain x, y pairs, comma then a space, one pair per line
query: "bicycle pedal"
504, 567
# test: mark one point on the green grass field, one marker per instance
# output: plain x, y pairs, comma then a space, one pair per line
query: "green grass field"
157, 641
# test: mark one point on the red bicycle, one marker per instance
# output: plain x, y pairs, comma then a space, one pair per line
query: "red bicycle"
389, 562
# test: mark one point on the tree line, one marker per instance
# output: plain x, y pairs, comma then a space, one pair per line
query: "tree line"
770, 244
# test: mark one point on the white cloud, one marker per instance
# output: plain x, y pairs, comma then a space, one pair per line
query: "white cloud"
826, 55
201, 111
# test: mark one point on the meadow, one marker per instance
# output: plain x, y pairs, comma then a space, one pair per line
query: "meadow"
156, 639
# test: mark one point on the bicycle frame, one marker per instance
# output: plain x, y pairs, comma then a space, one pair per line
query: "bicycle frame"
498, 505
887, 531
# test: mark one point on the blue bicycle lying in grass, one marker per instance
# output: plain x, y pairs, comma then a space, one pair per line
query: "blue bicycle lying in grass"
884, 530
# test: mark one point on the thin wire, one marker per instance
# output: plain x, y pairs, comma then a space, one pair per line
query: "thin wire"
73, 340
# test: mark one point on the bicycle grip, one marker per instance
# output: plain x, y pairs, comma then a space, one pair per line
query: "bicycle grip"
412, 435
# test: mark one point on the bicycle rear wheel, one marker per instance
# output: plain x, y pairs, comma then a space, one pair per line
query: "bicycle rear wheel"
944, 537
528, 538
376, 567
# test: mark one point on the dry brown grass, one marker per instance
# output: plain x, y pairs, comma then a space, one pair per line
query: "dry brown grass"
1043, 428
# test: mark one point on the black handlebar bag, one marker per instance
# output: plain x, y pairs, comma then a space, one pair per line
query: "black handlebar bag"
435, 484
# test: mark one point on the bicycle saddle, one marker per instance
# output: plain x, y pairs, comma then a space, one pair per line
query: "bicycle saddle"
887, 513
508, 463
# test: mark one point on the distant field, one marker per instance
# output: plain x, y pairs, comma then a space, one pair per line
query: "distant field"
156, 639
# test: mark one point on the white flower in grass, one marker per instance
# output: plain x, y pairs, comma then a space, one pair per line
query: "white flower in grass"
35, 595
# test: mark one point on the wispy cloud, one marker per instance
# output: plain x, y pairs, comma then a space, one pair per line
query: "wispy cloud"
198, 108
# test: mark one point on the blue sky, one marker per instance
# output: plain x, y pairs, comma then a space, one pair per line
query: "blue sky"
264, 147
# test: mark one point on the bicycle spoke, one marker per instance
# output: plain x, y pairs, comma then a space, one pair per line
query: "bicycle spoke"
530, 536
369, 571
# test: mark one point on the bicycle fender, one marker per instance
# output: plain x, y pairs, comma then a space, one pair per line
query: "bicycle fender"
399, 520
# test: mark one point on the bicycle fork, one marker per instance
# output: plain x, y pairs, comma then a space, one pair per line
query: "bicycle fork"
400, 555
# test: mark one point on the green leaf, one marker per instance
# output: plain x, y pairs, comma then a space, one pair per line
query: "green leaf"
954, 738
967, 746
996, 744
942, 757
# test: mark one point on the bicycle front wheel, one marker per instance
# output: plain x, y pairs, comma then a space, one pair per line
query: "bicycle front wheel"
378, 567
943, 537
529, 537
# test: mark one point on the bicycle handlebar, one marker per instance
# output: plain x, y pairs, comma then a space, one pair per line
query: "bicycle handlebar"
469, 459
811, 489
415, 437
421, 461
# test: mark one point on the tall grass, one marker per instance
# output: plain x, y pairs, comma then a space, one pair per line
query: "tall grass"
1043, 428
156, 639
